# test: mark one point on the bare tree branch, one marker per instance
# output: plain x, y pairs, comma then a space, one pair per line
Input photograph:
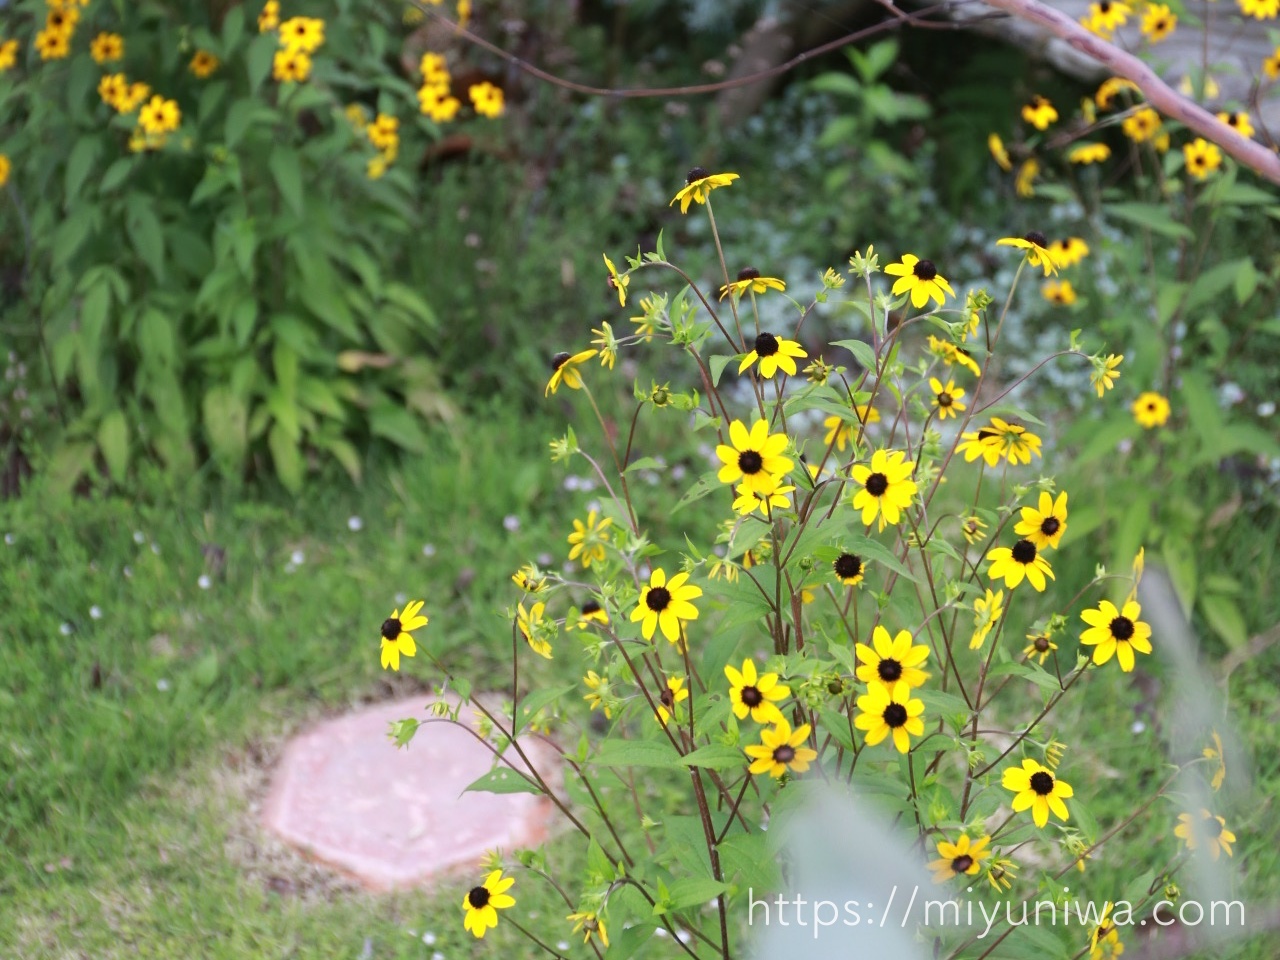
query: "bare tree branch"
1158, 93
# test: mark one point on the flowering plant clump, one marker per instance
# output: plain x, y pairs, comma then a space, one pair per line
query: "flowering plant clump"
850, 624
217, 232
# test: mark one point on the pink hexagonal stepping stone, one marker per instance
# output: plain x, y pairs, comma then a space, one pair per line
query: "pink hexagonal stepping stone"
394, 817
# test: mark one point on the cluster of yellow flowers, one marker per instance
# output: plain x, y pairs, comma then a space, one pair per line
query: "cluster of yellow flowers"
434, 98
157, 117
61, 17
384, 134
299, 37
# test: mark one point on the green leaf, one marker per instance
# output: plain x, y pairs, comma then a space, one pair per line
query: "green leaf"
69, 463
874, 550
411, 301
262, 50
635, 753
145, 233
286, 170
239, 118
861, 351
701, 487
232, 30
530, 705
644, 463
1223, 614
717, 364
502, 780
113, 441
117, 174
286, 456
716, 756
226, 425
1154, 217
80, 165
692, 891
398, 425
345, 453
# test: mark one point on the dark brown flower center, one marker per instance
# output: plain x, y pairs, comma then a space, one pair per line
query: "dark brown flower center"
667, 698
895, 715
889, 670
848, 566
985, 434
1049, 526
752, 696
945, 399
748, 273
877, 484
1024, 551
962, 863
1042, 783
766, 345
590, 607
750, 462
695, 174
925, 270
657, 599
1041, 644
1122, 628
559, 359
478, 897
1036, 237
784, 753
391, 627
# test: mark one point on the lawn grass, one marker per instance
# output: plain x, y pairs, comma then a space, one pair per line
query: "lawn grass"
136, 746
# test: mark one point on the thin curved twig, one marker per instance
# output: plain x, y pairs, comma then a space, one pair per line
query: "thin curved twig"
1158, 93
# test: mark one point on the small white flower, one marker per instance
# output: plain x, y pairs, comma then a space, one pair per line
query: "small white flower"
127, 571
428, 938
684, 936
204, 583
155, 548
678, 472
355, 524
95, 612
511, 522
572, 482
428, 549
162, 684
297, 558
1137, 727
562, 945
65, 629
10, 539
1125, 445
400, 599
545, 559
593, 506
138, 538
1265, 409
437, 956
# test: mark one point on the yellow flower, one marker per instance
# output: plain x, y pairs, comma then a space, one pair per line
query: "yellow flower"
599, 687
1205, 829
773, 353
1261, 9
1105, 372
921, 278
674, 692
750, 281
617, 281
486, 98
946, 398
564, 367
464, 14
436, 103
52, 45
982, 443
1059, 293
1141, 125
1104, 941
113, 88
160, 116
1105, 16
533, 626
886, 710
1001, 873
698, 184
527, 579
755, 458
1271, 65
397, 634
434, 69
887, 487
949, 354
607, 343
62, 20
888, 662
482, 903
1089, 153
106, 47
1037, 253
1027, 173
1107, 92
998, 151
1151, 410
590, 613
850, 569
1238, 121
838, 432
1013, 441
1020, 560
1035, 787
780, 750
972, 528
588, 924
1040, 646
964, 857
5, 167
302, 34
755, 694
8, 54
384, 132
203, 64
1068, 252
1202, 157
986, 612
1044, 527
291, 66
1158, 22
269, 18
748, 501
1116, 633
588, 539
665, 604
377, 166
1216, 753
1040, 113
